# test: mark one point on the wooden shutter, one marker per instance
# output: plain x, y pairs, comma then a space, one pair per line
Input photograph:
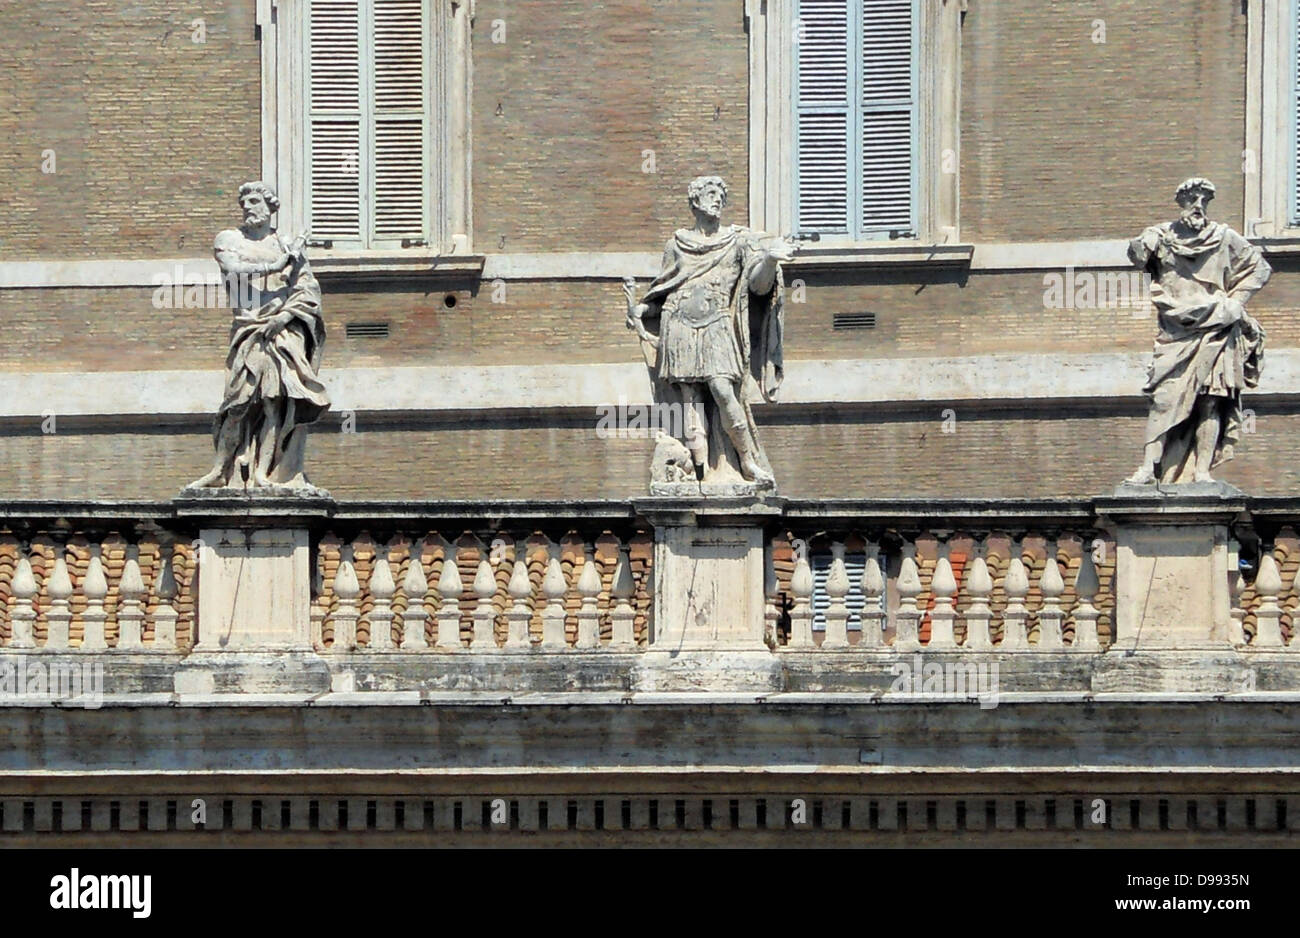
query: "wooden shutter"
335, 120
400, 118
856, 116
370, 121
822, 83
888, 125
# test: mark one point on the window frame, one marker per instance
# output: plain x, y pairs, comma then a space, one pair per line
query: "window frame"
286, 80
1269, 159
773, 144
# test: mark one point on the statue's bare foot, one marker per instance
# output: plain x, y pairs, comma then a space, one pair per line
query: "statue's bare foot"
756, 473
1144, 476
1202, 477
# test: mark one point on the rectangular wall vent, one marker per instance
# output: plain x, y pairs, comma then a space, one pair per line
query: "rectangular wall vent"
367, 330
848, 321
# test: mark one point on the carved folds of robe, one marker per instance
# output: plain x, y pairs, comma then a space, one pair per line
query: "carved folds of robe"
1202, 347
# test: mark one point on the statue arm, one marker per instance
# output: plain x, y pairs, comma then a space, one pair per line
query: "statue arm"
229, 254
1142, 248
1249, 269
763, 256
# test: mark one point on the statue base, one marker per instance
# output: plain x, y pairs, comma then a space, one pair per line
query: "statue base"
738, 489
1171, 564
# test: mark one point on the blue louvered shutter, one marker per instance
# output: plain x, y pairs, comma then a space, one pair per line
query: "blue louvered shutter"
370, 121
856, 117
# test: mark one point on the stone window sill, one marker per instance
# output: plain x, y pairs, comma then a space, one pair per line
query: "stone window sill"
372, 265
814, 255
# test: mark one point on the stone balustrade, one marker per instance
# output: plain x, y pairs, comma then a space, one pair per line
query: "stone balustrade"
879, 588
453, 590
95, 588
658, 594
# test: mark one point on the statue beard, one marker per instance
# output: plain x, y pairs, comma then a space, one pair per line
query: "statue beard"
1195, 221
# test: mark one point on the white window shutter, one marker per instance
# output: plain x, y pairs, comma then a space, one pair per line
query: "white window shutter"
888, 115
822, 83
400, 119
336, 109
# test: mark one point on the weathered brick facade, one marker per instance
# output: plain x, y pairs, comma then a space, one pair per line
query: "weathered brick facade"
1062, 138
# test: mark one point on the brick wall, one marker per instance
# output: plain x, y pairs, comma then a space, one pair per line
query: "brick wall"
1064, 138
869, 453
152, 132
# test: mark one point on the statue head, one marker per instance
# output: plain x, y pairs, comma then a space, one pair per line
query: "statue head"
707, 195
259, 202
1193, 197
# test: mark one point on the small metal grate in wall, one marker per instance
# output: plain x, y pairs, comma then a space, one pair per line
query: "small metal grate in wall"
367, 330
843, 322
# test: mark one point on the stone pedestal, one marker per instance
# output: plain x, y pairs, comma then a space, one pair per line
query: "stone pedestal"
708, 612
1171, 588
253, 594
254, 590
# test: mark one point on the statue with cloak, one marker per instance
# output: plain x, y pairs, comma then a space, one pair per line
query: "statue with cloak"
711, 329
273, 389
1208, 349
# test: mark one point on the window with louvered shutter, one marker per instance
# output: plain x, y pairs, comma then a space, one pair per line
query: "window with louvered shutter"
856, 117
856, 600
370, 122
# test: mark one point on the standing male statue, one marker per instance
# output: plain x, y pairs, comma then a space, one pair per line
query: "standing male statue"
1209, 349
718, 307
272, 385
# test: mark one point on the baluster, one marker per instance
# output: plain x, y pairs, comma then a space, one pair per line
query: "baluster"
771, 600
553, 588
382, 591
347, 592
979, 584
450, 588
837, 610
95, 588
23, 617
317, 614
519, 614
1086, 613
1015, 636
485, 614
907, 636
943, 585
415, 587
873, 612
1268, 614
589, 611
1236, 613
130, 606
58, 618
165, 614
1051, 616
623, 617
801, 615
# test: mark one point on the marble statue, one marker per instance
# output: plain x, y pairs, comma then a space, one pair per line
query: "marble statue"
710, 327
273, 389
1208, 349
